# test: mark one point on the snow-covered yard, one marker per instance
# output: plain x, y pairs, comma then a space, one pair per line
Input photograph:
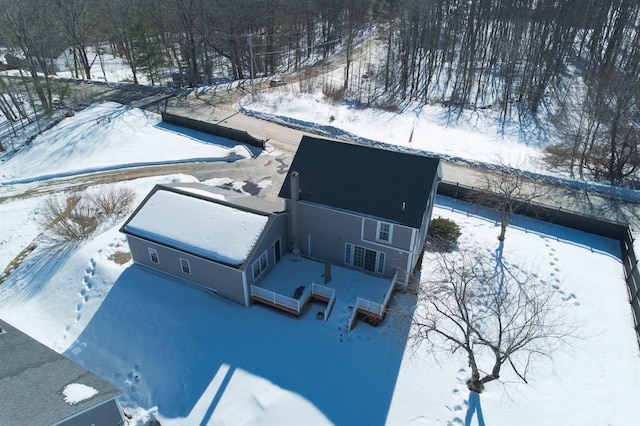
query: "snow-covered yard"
198, 358
111, 136
188, 357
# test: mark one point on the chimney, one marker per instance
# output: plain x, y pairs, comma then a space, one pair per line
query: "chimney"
293, 210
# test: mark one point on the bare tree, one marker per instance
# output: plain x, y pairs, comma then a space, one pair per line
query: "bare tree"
494, 313
508, 191
600, 130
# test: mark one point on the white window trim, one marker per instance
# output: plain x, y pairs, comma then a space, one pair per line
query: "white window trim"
258, 263
349, 253
381, 259
187, 264
379, 227
153, 252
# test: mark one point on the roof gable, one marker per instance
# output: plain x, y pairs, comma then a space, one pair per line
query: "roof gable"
390, 185
205, 227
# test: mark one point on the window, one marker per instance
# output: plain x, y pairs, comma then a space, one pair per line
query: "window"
358, 257
364, 258
347, 254
381, 259
184, 264
153, 254
260, 265
384, 231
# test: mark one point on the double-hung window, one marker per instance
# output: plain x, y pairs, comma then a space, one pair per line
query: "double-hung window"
384, 232
153, 255
260, 265
185, 266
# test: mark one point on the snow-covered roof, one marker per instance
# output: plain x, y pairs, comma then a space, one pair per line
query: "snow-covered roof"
197, 225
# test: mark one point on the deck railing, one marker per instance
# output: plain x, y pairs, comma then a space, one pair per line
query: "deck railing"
371, 307
279, 299
326, 292
387, 298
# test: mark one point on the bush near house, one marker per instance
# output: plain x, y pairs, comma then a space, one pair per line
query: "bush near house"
443, 234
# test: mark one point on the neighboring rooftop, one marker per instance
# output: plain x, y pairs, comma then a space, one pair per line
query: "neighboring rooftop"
198, 223
390, 185
38, 386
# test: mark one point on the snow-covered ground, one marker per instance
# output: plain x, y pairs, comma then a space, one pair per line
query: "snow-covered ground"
471, 137
197, 358
187, 357
111, 136
474, 136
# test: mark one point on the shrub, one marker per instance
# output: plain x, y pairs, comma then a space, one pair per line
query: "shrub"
75, 218
335, 93
112, 201
443, 233
63, 220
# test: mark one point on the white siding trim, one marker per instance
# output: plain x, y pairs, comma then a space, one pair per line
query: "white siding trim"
413, 242
245, 288
409, 268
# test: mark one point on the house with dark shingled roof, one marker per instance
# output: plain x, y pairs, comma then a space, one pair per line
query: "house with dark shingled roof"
360, 206
38, 386
351, 205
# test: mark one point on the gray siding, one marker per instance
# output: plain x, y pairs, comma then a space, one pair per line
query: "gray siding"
329, 230
105, 414
225, 280
400, 235
277, 230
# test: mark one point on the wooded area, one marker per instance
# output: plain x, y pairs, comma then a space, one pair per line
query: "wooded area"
577, 61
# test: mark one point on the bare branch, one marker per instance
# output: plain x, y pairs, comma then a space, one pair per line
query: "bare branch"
476, 303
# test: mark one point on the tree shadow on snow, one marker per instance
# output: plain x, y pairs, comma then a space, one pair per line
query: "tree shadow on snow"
42, 265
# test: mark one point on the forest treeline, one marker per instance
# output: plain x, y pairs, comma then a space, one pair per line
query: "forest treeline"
576, 61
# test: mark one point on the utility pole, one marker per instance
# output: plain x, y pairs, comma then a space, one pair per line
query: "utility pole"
250, 42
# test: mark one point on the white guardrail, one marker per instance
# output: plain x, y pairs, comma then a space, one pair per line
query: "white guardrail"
278, 299
324, 291
297, 304
373, 307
